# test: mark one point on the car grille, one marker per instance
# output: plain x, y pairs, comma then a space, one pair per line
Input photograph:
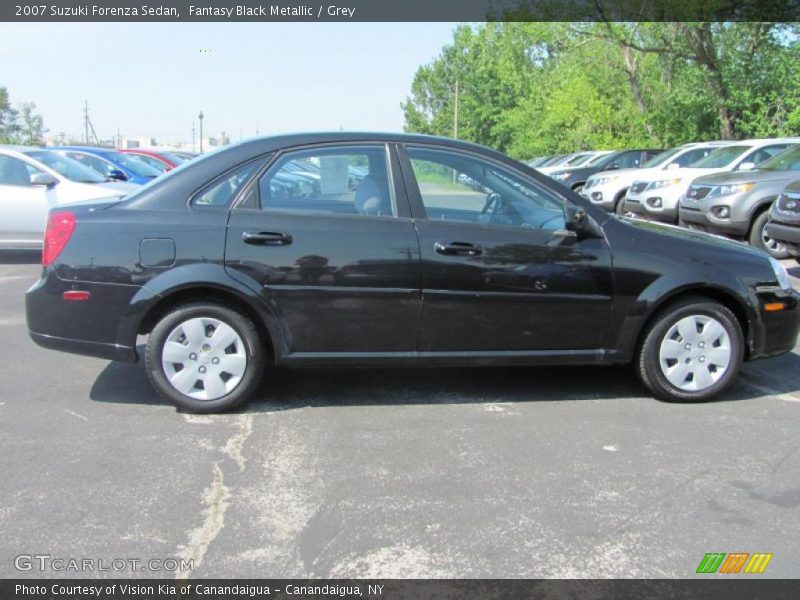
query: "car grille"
789, 204
638, 187
698, 193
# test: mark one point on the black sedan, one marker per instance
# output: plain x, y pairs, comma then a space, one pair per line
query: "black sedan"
230, 263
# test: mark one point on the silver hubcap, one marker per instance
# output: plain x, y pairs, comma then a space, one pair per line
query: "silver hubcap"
769, 243
695, 353
204, 358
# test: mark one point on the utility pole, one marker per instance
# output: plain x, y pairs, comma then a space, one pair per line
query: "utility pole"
119, 139
86, 121
455, 114
200, 116
192, 136
256, 128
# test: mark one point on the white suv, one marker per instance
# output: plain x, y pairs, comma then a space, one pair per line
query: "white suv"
656, 196
607, 189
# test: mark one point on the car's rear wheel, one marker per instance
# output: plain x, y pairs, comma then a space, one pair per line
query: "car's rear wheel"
760, 239
692, 351
205, 357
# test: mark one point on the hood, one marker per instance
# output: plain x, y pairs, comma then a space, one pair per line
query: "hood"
755, 175
679, 233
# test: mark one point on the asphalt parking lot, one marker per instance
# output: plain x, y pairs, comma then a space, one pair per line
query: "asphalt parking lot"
557, 472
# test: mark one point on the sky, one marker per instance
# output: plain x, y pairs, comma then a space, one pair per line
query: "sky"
153, 79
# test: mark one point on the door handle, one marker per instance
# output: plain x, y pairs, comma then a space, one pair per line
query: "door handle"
458, 249
266, 238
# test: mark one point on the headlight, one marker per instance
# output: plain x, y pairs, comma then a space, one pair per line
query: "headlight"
780, 274
561, 176
604, 180
654, 185
735, 188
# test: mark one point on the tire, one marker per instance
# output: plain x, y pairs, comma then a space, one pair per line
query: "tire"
578, 187
759, 239
712, 342
224, 376
619, 205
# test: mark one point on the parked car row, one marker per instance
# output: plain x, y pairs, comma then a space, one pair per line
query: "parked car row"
726, 188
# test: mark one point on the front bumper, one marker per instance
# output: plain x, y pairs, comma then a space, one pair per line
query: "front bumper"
788, 235
704, 213
778, 331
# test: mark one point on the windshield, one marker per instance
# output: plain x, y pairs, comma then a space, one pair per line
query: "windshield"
69, 168
133, 164
788, 160
661, 158
720, 158
595, 160
174, 157
578, 160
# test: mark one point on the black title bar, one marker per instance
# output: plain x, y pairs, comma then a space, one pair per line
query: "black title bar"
399, 10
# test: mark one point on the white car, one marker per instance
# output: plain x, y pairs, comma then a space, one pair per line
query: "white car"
656, 197
32, 181
607, 189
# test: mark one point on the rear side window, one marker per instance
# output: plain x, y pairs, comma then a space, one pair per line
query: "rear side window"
221, 192
692, 156
347, 180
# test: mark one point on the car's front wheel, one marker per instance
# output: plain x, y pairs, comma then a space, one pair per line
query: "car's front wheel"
760, 239
205, 357
691, 351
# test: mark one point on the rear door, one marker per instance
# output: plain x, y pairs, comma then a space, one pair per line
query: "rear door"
499, 272
326, 236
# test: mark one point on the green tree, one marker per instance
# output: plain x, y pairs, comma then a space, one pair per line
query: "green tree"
30, 125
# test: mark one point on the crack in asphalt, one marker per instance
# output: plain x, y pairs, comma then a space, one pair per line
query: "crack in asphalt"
216, 500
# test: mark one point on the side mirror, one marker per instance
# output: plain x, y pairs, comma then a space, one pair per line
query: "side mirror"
746, 166
612, 167
575, 219
673, 165
43, 179
117, 175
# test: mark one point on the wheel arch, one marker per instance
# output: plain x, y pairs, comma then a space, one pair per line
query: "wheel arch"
728, 298
193, 283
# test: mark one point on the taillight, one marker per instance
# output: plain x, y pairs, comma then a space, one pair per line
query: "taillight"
59, 229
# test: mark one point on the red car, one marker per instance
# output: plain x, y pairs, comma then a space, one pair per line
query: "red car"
158, 159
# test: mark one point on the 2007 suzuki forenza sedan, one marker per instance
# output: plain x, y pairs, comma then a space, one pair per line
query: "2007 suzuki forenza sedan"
370, 249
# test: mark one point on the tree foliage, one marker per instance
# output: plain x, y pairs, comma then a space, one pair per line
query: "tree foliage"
21, 125
536, 88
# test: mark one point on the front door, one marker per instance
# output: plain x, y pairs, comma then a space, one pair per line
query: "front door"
499, 271
327, 239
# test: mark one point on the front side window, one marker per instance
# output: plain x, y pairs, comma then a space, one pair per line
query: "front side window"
349, 180
16, 172
692, 156
627, 160
464, 188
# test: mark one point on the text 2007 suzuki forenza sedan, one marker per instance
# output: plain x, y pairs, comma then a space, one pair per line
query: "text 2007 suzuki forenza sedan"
370, 249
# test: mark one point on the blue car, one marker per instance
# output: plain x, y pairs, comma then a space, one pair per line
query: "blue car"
110, 163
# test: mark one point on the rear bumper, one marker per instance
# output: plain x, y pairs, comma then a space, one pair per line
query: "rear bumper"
96, 349
94, 327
